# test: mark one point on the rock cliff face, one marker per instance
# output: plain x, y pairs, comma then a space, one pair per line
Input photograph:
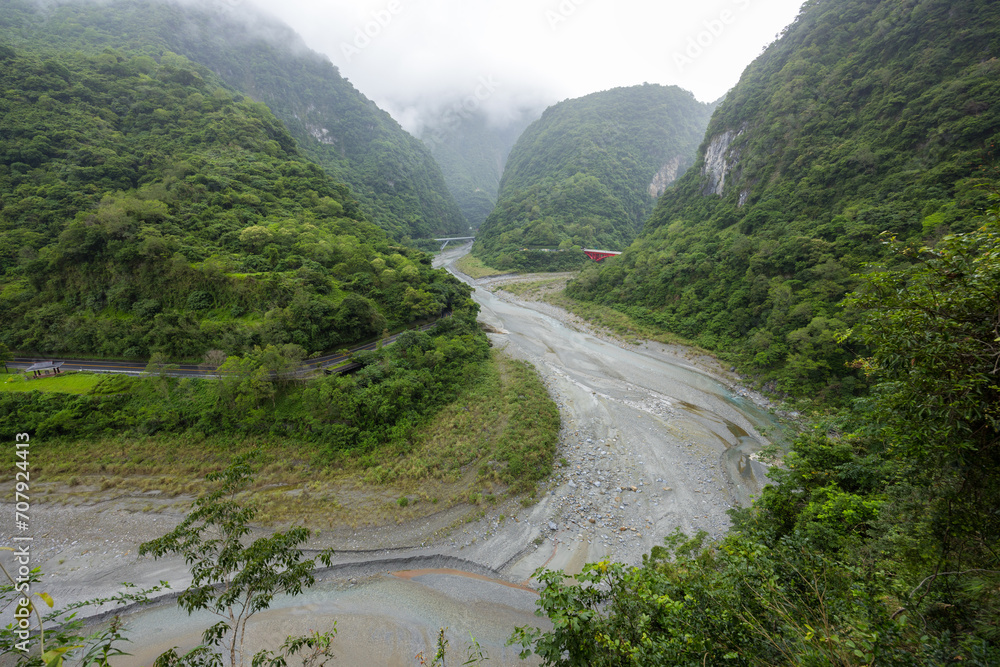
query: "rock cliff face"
321, 134
665, 176
866, 116
720, 158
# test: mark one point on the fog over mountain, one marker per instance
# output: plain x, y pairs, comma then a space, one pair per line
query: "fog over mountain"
468, 77
416, 59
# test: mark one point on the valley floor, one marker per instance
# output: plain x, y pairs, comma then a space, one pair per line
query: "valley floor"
653, 439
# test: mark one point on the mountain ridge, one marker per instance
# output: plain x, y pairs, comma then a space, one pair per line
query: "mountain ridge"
391, 173
865, 117
160, 213
581, 175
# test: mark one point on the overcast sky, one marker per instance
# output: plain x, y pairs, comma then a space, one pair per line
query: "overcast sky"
411, 56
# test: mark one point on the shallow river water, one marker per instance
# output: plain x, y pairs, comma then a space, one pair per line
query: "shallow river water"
650, 444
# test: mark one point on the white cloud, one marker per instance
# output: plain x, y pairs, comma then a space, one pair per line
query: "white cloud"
409, 55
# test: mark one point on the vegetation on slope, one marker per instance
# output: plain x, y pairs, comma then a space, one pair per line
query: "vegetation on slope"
150, 212
146, 209
580, 177
865, 117
468, 428
472, 153
393, 176
878, 543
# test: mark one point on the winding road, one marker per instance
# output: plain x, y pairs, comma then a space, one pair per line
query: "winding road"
332, 363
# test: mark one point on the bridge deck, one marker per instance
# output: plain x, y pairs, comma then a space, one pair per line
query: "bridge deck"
598, 255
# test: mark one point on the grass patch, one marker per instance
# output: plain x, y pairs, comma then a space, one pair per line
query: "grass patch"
502, 431
66, 383
112, 383
536, 289
475, 268
613, 320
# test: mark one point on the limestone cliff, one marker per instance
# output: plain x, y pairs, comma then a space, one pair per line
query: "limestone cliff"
665, 176
720, 158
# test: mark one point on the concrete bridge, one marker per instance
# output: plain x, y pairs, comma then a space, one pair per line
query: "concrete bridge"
456, 238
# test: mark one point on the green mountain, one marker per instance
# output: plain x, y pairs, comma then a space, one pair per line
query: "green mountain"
145, 208
472, 153
864, 117
393, 176
588, 173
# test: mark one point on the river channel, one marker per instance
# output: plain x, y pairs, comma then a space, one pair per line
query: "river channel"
650, 443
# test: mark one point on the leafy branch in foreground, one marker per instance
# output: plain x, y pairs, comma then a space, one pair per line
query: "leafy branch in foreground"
232, 579
205, 656
59, 631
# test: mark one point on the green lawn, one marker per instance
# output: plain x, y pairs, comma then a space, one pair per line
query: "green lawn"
475, 268
67, 383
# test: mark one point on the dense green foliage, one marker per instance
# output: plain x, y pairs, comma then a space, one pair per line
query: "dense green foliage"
63, 637
472, 153
866, 116
581, 175
146, 209
393, 176
878, 544
373, 410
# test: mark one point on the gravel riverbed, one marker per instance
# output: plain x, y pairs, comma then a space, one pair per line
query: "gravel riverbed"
654, 438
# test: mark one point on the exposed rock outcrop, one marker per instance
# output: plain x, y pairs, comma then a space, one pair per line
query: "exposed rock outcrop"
664, 177
720, 159
321, 134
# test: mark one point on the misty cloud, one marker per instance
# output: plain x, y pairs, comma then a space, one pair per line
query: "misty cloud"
418, 58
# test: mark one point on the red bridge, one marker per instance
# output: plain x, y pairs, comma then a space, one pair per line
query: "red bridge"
598, 255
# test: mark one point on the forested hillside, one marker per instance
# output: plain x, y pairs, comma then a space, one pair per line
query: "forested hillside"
865, 117
147, 209
856, 157
393, 176
472, 153
588, 173
878, 542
